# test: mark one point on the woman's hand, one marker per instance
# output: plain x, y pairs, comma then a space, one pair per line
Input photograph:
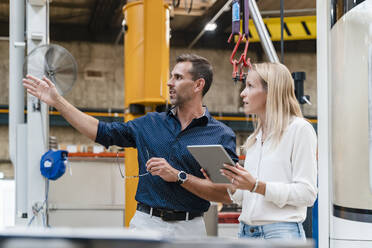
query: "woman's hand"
205, 174
240, 178
231, 187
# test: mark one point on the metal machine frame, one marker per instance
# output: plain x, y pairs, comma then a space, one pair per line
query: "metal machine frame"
27, 142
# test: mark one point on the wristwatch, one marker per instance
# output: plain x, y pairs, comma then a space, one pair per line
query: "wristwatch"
182, 177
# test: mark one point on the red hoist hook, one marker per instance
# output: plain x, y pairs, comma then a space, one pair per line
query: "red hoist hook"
234, 62
235, 31
244, 62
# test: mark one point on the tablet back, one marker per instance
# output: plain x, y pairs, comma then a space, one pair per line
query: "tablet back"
211, 158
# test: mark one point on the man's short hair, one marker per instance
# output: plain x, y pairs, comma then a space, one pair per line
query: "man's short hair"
201, 68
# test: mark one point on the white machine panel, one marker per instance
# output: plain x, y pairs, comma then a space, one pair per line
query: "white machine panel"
351, 125
93, 196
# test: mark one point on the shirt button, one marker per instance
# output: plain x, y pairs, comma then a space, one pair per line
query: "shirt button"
251, 230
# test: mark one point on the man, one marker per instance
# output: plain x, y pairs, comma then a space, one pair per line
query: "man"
174, 195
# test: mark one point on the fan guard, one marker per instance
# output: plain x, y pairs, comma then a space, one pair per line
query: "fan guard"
54, 62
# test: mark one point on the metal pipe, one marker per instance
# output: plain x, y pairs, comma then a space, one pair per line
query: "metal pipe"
219, 13
324, 120
262, 32
16, 102
37, 128
288, 11
16, 58
282, 31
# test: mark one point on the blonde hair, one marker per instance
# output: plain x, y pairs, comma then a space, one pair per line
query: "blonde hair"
281, 102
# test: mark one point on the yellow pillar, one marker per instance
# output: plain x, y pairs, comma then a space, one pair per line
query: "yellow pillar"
131, 168
156, 57
146, 69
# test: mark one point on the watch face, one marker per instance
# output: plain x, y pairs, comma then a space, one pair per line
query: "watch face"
182, 175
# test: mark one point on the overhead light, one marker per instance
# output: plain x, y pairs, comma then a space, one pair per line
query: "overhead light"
210, 27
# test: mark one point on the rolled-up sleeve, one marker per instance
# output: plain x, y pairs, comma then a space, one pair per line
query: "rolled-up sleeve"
302, 190
115, 133
237, 197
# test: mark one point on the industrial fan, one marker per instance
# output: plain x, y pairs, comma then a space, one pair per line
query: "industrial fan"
54, 62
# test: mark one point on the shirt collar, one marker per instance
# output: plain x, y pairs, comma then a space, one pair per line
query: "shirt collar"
172, 111
203, 119
259, 135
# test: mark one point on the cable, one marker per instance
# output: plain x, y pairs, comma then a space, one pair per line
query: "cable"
176, 4
281, 31
190, 8
37, 209
47, 38
45, 215
43, 128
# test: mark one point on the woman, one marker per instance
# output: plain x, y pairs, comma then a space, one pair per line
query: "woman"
278, 181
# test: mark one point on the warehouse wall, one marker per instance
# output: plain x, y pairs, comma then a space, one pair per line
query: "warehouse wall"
224, 94
106, 88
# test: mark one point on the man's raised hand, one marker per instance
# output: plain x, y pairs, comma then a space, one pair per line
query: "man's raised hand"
43, 89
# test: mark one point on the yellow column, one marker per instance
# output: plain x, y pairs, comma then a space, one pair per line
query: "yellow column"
146, 69
156, 56
131, 168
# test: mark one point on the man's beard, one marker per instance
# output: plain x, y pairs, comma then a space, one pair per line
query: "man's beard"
178, 101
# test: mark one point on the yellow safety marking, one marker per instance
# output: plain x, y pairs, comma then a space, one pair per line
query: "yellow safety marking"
94, 114
232, 118
300, 28
217, 117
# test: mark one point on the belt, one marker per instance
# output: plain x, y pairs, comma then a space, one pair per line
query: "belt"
166, 214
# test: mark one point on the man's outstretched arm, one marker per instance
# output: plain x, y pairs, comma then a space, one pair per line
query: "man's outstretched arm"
204, 188
46, 91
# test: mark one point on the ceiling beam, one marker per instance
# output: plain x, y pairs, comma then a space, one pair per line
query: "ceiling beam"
199, 23
218, 40
76, 14
118, 16
224, 22
54, 4
213, 40
80, 33
208, 40
103, 14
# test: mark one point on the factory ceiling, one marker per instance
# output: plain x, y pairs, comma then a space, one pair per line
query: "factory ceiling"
101, 20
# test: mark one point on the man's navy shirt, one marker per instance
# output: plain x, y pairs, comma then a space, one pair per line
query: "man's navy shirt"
160, 135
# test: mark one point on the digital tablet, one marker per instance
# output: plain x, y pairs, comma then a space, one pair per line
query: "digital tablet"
211, 158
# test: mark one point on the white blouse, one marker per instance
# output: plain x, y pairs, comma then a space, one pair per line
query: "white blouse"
290, 173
